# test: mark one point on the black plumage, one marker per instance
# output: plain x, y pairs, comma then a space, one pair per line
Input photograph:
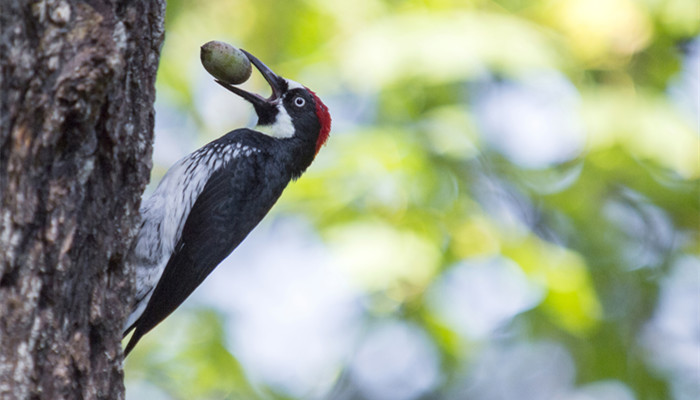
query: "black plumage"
210, 201
234, 200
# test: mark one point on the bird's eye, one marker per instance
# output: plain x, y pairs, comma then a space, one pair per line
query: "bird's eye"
299, 101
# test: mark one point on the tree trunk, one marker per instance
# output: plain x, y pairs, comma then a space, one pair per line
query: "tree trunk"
76, 129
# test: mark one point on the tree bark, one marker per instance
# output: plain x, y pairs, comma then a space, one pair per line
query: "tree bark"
76, 130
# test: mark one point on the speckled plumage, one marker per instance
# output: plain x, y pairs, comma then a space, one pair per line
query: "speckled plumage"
209, 201
164, 213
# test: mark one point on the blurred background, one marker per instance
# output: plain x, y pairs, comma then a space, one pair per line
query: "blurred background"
507, 207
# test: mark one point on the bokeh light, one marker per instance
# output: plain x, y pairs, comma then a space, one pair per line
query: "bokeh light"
508, 206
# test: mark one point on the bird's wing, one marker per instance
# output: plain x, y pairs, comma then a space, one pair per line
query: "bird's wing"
220, 219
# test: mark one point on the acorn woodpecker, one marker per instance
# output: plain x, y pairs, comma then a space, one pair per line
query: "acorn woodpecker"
209, 201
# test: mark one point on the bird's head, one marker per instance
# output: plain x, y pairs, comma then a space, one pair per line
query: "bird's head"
292, 109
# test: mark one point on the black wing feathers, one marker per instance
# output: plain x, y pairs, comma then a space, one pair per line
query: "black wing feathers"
232, 203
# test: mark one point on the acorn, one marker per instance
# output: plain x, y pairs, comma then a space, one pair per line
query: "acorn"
225, 62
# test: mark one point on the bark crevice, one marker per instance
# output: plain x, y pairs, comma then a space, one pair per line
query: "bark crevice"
76, 130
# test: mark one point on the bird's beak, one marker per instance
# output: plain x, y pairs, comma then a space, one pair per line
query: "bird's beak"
277, 83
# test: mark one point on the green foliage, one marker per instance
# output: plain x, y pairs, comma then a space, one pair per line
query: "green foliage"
410, 183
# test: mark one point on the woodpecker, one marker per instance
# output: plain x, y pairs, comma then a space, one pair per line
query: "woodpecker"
209, 201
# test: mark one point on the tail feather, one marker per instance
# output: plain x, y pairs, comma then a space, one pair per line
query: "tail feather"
138, 334
129, 329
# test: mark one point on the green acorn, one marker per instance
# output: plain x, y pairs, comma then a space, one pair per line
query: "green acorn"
225, 62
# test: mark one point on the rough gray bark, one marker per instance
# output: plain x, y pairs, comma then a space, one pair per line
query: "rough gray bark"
76, 122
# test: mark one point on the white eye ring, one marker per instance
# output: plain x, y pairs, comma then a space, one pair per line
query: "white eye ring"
299, 101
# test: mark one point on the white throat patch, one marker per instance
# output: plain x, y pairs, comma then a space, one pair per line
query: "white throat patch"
283, 126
